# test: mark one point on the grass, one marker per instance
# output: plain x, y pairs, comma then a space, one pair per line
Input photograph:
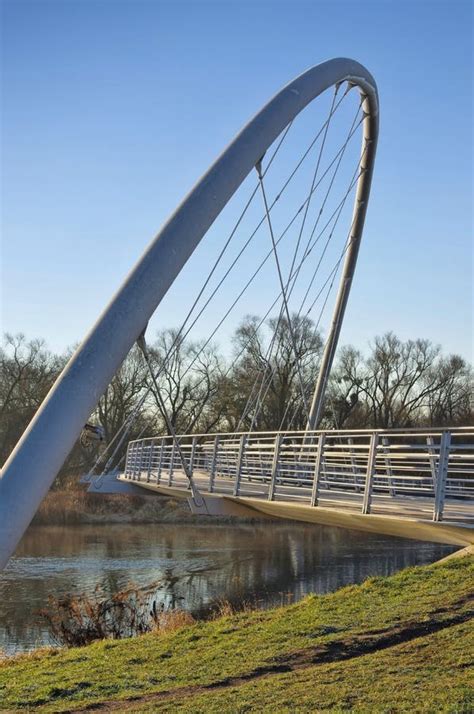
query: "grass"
75, 506
402, 643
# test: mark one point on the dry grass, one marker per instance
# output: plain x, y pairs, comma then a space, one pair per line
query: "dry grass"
72, 507
75, 621
172, 620
71, 504
224, 608
29, 656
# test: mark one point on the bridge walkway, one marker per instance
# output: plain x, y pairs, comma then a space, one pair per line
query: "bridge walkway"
422, 479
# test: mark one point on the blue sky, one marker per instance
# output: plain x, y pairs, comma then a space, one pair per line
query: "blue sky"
113, 109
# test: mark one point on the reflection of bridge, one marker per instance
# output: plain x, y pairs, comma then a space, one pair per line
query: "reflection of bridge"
416, 483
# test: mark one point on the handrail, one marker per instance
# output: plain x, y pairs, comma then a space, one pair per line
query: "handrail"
418, 473
422, 431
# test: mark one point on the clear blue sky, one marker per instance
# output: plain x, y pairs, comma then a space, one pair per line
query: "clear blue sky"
112, 109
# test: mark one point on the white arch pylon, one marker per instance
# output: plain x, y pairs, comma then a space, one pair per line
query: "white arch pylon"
43, 448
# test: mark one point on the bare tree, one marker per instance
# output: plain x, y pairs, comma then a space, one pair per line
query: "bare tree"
188, 378
27, 372
122, 397
345, 406
453, 401
400, 384
271, 379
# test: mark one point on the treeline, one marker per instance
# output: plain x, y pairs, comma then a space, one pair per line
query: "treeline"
262, 386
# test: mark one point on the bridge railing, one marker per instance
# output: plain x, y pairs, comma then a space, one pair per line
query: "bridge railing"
428, 472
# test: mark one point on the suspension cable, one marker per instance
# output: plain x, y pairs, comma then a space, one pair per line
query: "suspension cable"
310, 248
305, 257
276, 329
125, 427
331, 277
258, 168
128, 422
196, 495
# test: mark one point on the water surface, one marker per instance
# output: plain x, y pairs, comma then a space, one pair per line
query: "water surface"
271, 562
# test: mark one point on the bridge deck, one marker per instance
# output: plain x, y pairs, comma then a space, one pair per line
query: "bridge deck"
422, 477
456, 510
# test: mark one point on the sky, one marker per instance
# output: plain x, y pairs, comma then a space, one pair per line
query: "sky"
112, 109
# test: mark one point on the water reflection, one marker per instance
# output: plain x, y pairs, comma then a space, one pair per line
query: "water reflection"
268, 562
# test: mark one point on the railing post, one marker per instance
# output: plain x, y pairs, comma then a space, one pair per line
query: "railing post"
133, 461
150, 458
138, 462
388, 464
193, 455
275, 462
240, 459
212, 473
318, 465
369, 478
355, 470
160, 461
432, 458
170, 471
127, 461
441, 476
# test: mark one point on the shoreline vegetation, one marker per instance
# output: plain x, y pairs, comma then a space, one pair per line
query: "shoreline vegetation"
74, 506
401, 643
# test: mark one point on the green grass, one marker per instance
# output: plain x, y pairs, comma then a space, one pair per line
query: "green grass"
403, 643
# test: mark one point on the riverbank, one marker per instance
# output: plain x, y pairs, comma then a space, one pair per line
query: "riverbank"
401, 644
74, 506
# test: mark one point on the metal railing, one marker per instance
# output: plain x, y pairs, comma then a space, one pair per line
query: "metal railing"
422, 473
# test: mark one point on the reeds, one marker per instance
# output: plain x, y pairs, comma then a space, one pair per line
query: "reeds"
78, 620
73, 507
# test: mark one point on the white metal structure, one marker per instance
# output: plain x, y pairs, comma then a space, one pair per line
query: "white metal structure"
37, 458
423, 475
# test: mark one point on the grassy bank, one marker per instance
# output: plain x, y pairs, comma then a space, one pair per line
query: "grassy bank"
402, 643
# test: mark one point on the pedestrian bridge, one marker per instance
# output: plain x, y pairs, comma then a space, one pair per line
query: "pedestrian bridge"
411, 483
298, 188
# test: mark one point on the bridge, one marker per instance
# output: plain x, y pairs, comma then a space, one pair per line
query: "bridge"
413, 483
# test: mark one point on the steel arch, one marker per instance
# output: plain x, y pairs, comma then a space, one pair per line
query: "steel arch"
40, 453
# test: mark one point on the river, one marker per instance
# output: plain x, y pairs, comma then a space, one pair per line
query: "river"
271, 563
